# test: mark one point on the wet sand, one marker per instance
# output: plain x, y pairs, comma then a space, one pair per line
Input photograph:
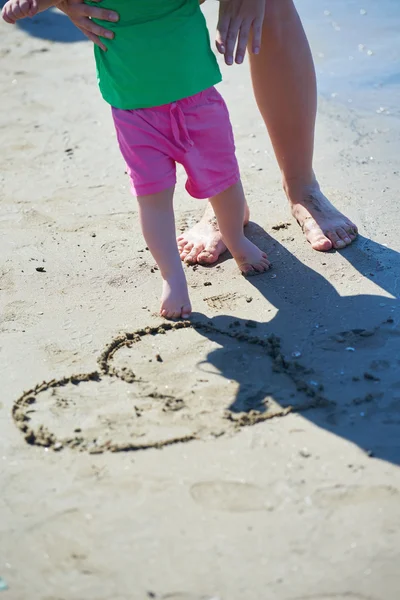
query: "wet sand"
252, 453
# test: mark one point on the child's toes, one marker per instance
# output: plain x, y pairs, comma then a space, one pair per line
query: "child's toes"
265, 264
171, 314
247, 269
260, 267
186, 311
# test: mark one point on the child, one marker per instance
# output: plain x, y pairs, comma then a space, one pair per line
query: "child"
158, 75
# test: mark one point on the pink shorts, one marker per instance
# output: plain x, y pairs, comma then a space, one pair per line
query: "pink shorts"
195, 132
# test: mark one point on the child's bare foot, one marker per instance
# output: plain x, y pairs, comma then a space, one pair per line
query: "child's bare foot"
249, 258
175, 303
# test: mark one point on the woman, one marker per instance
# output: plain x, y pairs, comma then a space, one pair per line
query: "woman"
284, 86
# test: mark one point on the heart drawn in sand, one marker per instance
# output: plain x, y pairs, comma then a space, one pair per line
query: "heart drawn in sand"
143, 396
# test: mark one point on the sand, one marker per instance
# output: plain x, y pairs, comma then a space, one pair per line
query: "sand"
250, 454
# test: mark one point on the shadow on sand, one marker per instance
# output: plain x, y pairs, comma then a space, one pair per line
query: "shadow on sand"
347, 346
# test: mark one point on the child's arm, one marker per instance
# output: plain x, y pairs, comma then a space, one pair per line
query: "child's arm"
14, 10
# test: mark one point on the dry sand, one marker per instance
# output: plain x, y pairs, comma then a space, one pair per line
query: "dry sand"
264, 436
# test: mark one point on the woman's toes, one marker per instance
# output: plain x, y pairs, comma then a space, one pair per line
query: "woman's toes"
335, 239
319, 241
193, 254
322, 244
352, 232
207, 257
343, 235
186, 250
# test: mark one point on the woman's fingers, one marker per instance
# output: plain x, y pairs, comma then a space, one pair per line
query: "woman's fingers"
95, 39
82, 14
257, 34
220, 42
238, 21
227, 32
242, 40
93, 12
93, 28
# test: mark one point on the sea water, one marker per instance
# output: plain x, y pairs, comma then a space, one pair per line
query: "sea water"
356, 48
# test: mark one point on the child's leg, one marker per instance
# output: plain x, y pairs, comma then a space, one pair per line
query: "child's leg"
229, 208
158, 226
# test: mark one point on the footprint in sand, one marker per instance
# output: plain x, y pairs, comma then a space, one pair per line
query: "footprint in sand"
7, 282
18, 316
359, 339
111, 251
344, 596
223, 301
339, 496
232, 496
184, 596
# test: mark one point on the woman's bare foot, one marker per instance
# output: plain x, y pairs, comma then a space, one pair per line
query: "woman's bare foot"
323, 225
249, 258
175, 303
203, 242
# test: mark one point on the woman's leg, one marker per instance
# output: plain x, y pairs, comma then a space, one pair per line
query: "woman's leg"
284, 86
158, 225
285, 90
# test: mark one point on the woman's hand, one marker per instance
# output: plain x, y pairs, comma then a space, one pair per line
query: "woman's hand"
238, 21
81, 15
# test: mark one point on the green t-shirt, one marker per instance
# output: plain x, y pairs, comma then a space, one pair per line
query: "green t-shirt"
160, 53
